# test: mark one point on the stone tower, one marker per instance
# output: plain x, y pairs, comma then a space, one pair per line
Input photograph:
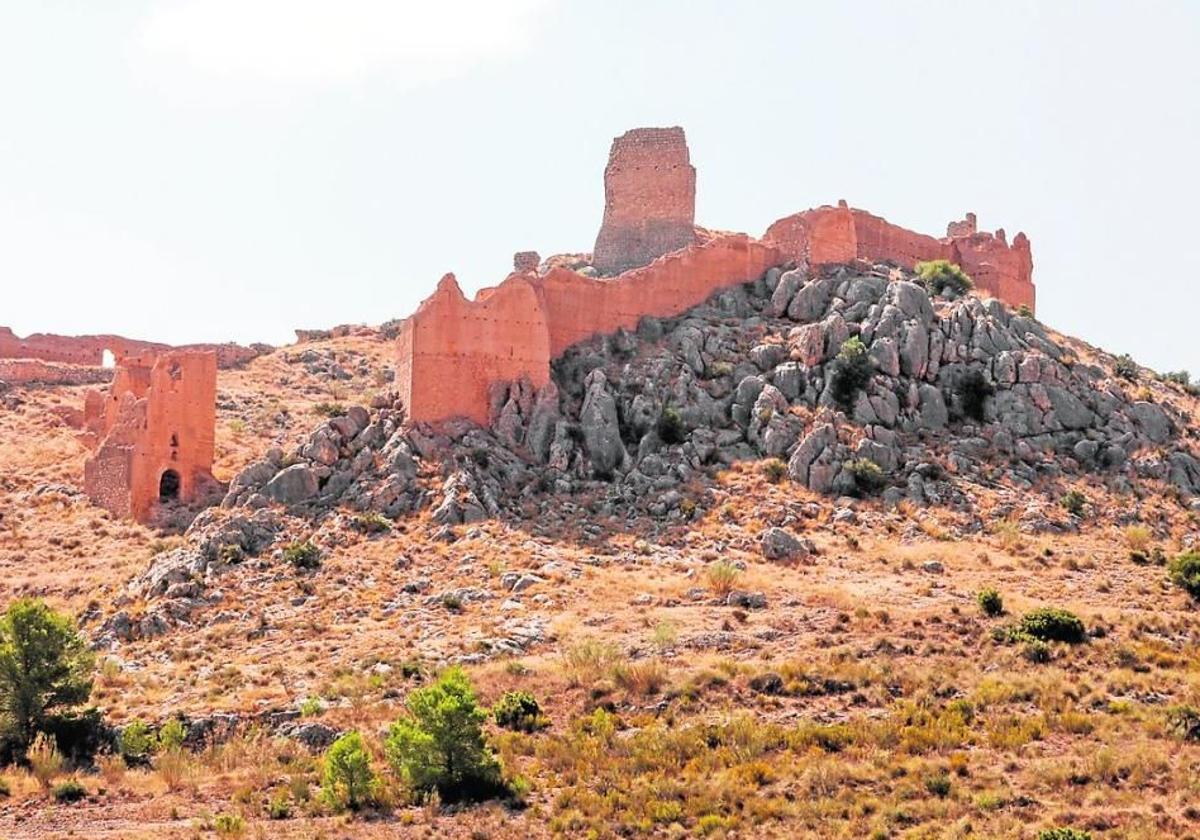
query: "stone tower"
649, 199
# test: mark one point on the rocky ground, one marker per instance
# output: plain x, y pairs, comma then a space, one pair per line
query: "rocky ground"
836, 679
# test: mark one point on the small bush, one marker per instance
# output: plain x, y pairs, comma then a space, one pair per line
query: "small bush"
348, 780
136, 743
5, 790
1184, 571
519, 711
302, 555
1063, 834
311, 707
584, 661
69, 791
1125, 367
774, 470
280, 806
644, 678
329, 409
1178, 377
229, 825
1137, 537
973, 391
1051, 624
944, 278
990, 602
1037, 652
371, 523
670, 427
1184, 722
938, 785
868, 477
1024, 311
851, 371
1074, 502
172, 735
440, 746
722, 577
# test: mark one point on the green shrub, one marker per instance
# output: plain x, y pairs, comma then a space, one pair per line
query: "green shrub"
329, 409
1063, 834
851, 371
973, 390
172, 734
45, 669
1125, 367
1184, 722
1184, 571
1037, 651
69, 791
519, 710
938, 785
990, 601
311, 707
868, 477
1051, 624
280, 806
1075, 502
1178, 377
1024, 311
371, 523
229, 825
940, 277
302, 555
5, 789
774, 470
348, 780
670, 427
440, 746
136, 742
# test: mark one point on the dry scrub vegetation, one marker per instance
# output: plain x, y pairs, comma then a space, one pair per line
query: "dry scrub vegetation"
877, 694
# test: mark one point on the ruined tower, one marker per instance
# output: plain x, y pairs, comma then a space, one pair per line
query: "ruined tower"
649, 199
154, 432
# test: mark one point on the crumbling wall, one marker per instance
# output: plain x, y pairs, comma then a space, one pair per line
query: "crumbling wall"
834, 235
35, 371
169, 426
649, 199
452, 351
89, 349
578, 307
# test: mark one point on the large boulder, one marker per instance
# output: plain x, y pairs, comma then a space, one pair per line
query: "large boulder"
601, 429
293, 484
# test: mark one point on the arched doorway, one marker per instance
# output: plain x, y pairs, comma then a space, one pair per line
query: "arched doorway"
168, 486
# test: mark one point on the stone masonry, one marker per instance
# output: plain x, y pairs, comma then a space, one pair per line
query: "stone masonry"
649, 199
153, 431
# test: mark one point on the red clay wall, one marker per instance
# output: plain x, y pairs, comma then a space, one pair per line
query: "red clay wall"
170, 427
89, 349
649, 199
23, 371
833, 235
578, 308
452, 350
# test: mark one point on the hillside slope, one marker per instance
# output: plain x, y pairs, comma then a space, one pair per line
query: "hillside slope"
683, 534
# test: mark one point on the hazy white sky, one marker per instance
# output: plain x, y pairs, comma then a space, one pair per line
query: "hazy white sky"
189, 170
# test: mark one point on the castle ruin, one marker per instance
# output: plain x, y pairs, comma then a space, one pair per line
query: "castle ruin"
152, 432
453, 353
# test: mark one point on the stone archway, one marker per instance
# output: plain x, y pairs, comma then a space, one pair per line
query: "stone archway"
168, 486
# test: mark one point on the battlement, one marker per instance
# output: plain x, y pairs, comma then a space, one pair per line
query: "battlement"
89, 350
453, 352
153, 432
834, 235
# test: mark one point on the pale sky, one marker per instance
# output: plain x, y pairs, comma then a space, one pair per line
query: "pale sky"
207, 170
